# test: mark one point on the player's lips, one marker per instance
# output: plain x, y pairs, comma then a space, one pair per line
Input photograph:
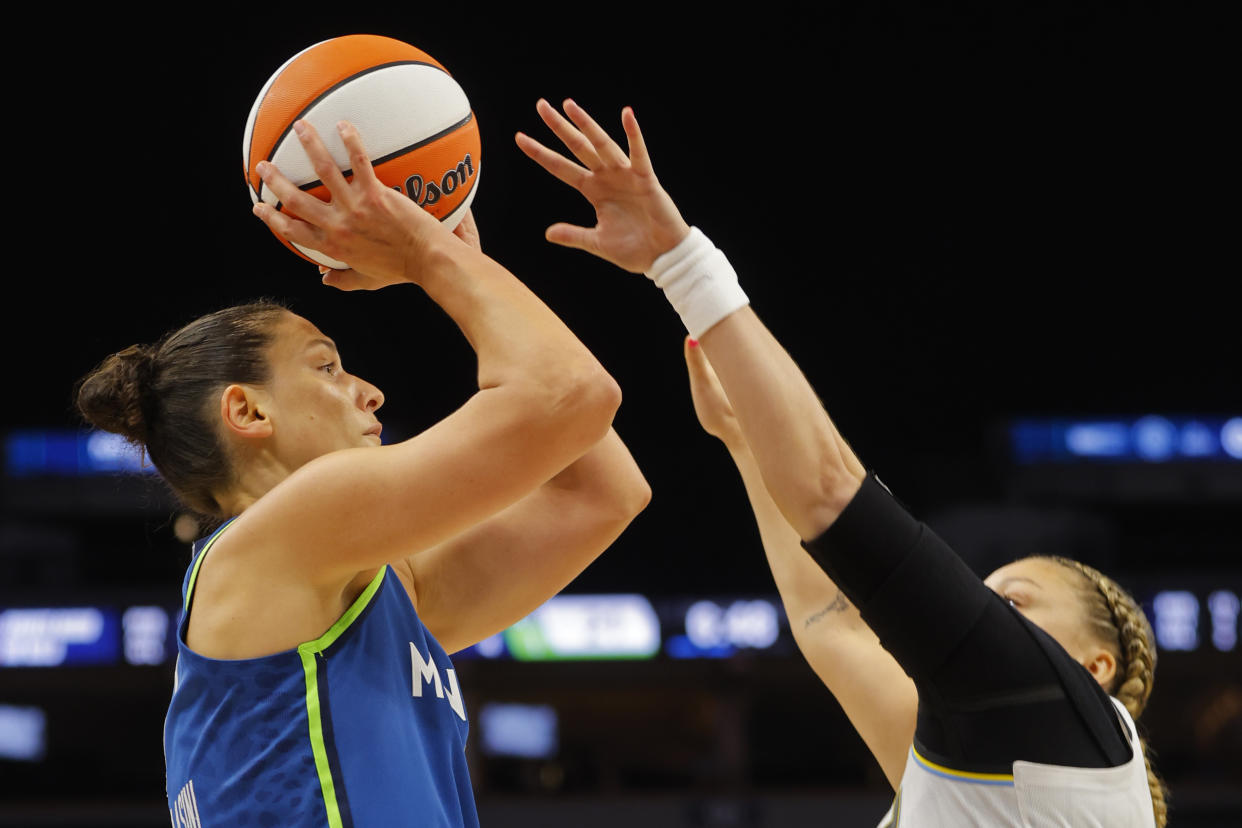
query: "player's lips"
376, 429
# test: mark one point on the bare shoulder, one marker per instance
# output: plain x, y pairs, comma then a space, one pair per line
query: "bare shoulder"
247, 603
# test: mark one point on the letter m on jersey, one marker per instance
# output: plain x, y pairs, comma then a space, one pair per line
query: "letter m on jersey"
425, 673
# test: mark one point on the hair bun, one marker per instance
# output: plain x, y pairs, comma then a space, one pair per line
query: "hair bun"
114, 397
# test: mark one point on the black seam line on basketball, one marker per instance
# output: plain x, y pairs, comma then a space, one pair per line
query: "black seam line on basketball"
332, 89
313, 184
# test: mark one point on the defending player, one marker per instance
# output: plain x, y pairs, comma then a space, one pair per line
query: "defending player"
985, 704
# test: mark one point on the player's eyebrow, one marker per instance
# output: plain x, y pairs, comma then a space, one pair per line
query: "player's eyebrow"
321, 341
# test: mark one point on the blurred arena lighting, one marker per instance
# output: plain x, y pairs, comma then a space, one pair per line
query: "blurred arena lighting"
587, 627
717, 630
527, 731
1150, 438
1231, 438
1223, 608
1176, 620
567, 627
52, 452
52, 637
145, 633
23, 733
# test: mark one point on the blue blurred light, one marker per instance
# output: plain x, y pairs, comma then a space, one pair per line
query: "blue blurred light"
58, 636
146, 633
1231, 437
527, 731
680, 646
71, 454
23, 733
1176, 620
1155, 438
1197, 440
1223, 607
1098, 439
1148, 439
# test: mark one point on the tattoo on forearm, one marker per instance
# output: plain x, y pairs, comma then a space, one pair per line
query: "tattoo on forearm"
839, 604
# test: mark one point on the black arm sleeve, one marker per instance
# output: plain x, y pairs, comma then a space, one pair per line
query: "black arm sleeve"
992, 686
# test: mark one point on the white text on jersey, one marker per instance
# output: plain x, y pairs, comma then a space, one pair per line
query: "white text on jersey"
424, 672
184, 812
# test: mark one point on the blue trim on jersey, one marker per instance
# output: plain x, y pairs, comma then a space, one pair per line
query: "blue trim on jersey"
996, 779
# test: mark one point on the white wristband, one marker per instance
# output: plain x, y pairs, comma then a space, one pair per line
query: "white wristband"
699, 282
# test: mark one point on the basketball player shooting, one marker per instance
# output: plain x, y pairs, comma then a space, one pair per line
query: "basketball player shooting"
313, 684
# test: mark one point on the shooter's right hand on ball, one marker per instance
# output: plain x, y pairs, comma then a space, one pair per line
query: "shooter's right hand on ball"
636, 220
380, 233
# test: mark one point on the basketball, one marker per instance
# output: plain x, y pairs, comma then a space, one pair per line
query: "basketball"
414, 119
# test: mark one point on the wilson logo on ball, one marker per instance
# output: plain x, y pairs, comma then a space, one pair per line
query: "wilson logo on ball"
427, 193
414, 118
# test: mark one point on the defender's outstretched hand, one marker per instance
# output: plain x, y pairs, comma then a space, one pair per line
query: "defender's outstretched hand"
636, 220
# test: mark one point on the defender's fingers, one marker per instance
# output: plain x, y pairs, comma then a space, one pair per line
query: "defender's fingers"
291, 196
574, 140
321, 160
605, 147
295, 230
569, 235
561, 167
639, 158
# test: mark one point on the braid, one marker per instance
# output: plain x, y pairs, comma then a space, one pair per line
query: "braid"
1118, 621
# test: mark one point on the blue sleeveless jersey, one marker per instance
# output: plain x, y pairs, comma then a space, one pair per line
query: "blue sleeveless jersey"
364, 726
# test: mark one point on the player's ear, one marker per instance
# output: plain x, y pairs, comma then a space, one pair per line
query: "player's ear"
1103, 667
244, 412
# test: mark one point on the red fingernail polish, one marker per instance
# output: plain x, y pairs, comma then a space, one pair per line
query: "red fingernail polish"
694, 343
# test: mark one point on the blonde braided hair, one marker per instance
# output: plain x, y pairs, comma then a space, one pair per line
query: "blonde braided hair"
1118, 622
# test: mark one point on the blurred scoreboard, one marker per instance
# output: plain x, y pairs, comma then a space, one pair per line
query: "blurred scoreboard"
566, 628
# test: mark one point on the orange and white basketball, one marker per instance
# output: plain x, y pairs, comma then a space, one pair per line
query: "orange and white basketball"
414, 119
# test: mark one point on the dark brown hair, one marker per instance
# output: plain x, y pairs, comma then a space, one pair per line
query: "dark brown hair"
163, 397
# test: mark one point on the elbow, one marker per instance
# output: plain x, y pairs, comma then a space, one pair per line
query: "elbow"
625, 500
605, 398
825, 498
584, 404
637, 496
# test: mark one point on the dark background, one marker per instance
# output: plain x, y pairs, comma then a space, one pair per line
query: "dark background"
952, 215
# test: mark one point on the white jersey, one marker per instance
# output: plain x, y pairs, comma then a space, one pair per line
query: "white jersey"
1033, 796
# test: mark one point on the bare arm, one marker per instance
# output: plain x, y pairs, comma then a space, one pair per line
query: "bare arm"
875, 693
509, 565
543, 399
798, 470
809, 470
807, 467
